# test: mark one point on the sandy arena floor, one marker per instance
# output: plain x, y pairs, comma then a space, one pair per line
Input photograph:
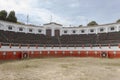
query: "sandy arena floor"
61, 69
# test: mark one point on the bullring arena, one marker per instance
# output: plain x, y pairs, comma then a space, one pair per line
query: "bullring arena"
69, 68
57, 52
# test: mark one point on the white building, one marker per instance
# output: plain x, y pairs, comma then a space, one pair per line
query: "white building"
54, 29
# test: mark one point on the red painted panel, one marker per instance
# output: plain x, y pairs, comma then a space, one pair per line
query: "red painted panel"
83, 54
44, 54
60, 53
91, 54
9, 55
117, 54
75, 54
51, 53
18, 55
36, 54
97, 54
55, 54
1, 56
111, 54
114, 54
66, 54
30, 54
94, 53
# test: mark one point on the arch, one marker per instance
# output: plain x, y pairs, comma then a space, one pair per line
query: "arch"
104, 55
57, 32
48, 32
25, 55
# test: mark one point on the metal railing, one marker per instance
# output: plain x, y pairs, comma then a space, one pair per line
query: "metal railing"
59, 45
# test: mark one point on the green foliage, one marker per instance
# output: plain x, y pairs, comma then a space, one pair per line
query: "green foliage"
20, 23
92, 23
3, 15
80, 25
11, 17
118, 21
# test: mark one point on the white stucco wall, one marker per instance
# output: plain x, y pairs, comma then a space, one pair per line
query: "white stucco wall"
103, 48
53, 26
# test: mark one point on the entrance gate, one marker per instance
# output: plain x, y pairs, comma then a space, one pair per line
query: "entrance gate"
48, 32
57, 33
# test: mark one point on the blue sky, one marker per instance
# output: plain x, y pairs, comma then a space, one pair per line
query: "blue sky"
66, 12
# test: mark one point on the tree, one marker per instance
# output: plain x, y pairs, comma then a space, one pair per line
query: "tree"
80, 25
92, 23
3, 15
11, 17
20, 23
118, 21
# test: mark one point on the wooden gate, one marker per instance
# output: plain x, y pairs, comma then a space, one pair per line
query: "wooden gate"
48, 32
57, 33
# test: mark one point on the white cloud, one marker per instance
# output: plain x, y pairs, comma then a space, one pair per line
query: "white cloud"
14, 5
74, 5
65, 12
25, 7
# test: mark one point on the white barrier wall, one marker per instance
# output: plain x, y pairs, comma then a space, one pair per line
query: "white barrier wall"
7, 48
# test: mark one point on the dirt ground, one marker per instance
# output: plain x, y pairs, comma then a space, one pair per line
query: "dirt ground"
61, 69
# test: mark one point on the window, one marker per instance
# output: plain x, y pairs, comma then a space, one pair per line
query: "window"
39, 31
1, 25
30, 30
101, 30
65, 31
91, 30
74, 31
9, 27
82, 31
112, 28
20, 29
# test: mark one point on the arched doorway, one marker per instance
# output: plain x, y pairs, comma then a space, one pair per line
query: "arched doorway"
25, 55
57, 33
48, 32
